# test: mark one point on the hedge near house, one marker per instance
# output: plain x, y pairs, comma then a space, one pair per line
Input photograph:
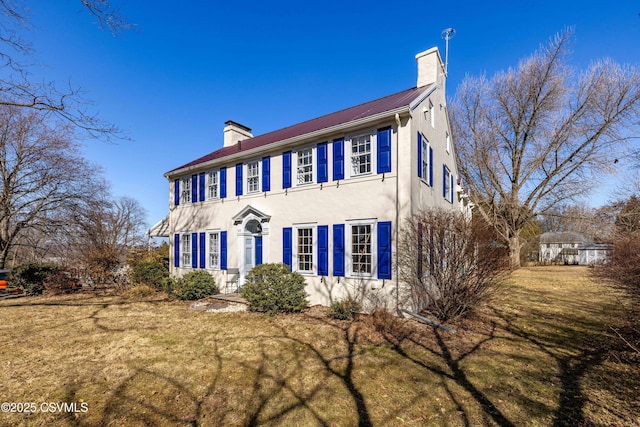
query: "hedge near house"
273, 289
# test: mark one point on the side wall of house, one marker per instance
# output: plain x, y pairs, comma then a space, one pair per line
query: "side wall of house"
434, 178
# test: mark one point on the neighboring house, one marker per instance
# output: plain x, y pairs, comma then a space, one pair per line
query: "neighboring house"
571, 248
326, 196
594, 253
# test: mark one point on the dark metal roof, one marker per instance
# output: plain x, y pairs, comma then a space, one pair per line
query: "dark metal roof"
562, 237
371, 108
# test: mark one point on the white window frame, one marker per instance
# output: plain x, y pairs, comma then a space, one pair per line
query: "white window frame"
213, 175
448, 140
185, 190
314, 248
296, 158
258, 178
211, 250
432, 115
448, 183
425, 159
349, 158
373, 248
185, 250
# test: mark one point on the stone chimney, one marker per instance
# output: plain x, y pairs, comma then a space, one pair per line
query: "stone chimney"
235, 132
430, 67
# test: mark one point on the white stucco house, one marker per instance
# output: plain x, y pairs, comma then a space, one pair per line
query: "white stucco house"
326, 196
565, 247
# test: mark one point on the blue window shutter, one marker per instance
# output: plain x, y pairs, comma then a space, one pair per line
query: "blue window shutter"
420, 155
338, 159
287, 237
384, 150
451, 187
176, 250
444, 181
194, 250
338, 249
323, 166
201, 187
239, 179
420, 250
223, 183
323, 250
176, 192
223, 250
203, 255
258, 245
384, 250
431, 166
194, 188
286, 169
266, 173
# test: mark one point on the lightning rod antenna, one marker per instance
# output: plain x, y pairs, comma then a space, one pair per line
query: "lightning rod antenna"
447, 34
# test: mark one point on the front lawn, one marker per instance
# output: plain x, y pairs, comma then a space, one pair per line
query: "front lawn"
544, 354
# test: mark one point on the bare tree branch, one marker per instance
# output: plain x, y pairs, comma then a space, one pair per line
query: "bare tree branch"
537, 135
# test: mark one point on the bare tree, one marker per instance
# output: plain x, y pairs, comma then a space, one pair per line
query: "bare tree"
17, 88
596, 223
539, 134
101, 235
41, 175
449, 264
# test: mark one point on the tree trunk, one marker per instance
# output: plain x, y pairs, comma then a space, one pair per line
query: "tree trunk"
514, 251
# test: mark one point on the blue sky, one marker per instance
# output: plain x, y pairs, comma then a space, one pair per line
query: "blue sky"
189, 66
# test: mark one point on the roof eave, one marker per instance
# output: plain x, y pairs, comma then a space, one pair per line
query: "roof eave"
289, 141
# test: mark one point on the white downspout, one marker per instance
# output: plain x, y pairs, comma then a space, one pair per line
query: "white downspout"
398, 123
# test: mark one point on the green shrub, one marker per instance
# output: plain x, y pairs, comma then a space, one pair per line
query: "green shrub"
167, 285
345, 309
195, 285
31, 277
272, 289
150, 273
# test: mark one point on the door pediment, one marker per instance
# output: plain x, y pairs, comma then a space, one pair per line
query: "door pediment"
250, 212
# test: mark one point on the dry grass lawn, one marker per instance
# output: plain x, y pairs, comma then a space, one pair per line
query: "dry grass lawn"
543, 354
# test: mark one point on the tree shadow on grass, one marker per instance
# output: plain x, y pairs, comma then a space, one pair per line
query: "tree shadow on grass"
400, 337
575, 354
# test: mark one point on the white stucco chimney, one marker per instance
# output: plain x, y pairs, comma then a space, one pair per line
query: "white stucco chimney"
430, 67
235, 132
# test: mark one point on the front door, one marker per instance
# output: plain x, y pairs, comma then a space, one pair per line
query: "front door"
249, 259
251, 248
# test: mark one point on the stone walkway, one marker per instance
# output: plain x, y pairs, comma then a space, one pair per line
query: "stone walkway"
221, 303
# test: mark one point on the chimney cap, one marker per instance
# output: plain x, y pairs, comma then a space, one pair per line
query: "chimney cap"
236, 124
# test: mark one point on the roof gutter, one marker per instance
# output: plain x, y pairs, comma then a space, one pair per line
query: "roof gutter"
290, 141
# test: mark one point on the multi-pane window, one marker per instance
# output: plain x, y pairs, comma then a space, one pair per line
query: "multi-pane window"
214, 250
361, 154
185, 243
212, 185
185, 194
253, 177
305, 166
425, 159
448, 185
305, 249
361, 255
